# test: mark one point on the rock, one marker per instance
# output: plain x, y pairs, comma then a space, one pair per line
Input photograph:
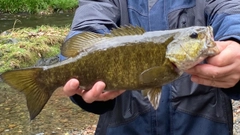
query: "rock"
12, 41
63, 120
1, 130
6, 130
2, 98
40, 134
54, 133
236, 117
5, 33
61, 12
7, 109
9, 41
12, 126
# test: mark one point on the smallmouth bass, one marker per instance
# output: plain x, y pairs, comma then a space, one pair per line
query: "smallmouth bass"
127, 58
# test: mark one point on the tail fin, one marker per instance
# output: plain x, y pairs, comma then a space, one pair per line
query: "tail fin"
26, 81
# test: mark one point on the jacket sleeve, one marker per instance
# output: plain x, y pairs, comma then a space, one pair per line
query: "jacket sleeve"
96, 16
224, 17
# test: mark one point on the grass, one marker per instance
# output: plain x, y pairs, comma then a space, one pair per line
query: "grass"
31, 45
36, 6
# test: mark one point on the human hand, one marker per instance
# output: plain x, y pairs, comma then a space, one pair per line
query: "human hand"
222, 70
95, 94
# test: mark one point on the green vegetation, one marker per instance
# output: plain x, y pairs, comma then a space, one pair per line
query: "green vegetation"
36, 6
21, 48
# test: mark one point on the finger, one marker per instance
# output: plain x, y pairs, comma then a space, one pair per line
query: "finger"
220, 83
222, 44
93, 94
225, 57
71, 87
110, 95
210, 71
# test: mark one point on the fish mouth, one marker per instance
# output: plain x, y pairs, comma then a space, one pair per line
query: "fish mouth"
174, 66
210, 37
210, 43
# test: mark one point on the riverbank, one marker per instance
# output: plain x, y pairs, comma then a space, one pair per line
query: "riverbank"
59, 117
22, 47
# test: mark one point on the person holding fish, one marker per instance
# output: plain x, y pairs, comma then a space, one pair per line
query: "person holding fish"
146, 67
197, 103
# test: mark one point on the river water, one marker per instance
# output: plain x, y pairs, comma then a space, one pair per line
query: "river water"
7, 21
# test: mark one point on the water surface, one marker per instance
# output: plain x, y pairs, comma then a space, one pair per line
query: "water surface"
27, 20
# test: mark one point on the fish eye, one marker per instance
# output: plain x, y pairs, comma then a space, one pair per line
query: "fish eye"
193, 35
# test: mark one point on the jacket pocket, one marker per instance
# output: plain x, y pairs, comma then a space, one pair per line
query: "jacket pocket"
181, 18
199, 100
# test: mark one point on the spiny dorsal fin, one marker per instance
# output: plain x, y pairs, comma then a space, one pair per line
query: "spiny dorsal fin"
126, 30
82, 41
79, 42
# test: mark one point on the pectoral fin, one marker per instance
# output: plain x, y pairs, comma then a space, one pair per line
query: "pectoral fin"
154, 96
152, 76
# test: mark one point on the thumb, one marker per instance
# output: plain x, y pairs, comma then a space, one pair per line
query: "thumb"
222, 44
71, 87
218, 60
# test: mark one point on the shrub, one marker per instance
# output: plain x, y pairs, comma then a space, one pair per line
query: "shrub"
63, 4
35, 6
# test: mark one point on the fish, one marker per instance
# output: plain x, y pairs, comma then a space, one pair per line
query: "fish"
127, 58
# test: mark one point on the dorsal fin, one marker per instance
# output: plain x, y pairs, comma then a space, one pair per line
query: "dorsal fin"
126, 30
79, 42
82, 41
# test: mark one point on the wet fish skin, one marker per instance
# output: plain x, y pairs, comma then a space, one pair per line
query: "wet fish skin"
132, 60
193, 51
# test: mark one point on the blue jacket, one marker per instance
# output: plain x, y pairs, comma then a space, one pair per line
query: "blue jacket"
185, 108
